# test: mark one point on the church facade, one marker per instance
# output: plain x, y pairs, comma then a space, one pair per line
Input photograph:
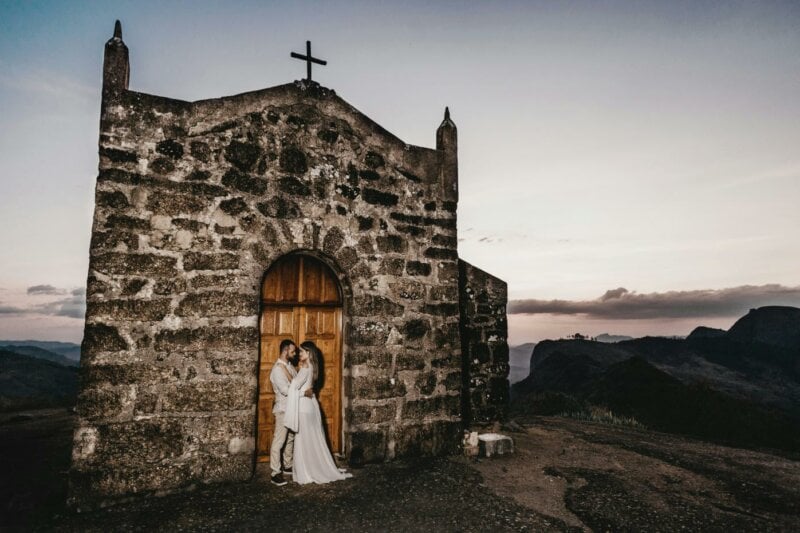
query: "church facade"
222, 227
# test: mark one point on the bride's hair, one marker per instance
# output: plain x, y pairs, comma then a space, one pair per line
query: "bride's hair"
314, 358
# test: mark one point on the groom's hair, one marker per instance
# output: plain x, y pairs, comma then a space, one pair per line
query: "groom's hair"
285, 343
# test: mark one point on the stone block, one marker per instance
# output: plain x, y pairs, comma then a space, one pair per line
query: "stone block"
408, 289
140, 442
278, 207
233, 206
209, 338
244, 183
368, 333
494, 444
441, 253
118, 156
125, 222
370, 305
375, 197
436, 407
134, 264
207, 396
294, 160
418, 268
391, 244
372, 414
432, 438
445, 241
170, 148
107, 402
410, 359
377, 387
210, 261
112, 199
333, 240
293, 186
242, 155
161, 165
102, 338
374, 160
392, 266
200, 151
367, 447
365, 223
217, 303
416, 328
135, 310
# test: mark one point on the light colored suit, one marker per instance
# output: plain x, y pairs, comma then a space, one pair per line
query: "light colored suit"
280, 386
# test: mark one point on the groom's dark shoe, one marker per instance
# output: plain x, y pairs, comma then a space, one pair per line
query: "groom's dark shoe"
287, 470
278, 480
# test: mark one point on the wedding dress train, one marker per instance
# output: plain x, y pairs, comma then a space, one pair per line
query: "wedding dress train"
313, 462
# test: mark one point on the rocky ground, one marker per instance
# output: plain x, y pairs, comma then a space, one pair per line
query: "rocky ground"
565, 475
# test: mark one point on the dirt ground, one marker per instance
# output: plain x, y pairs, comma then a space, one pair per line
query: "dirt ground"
565, 475
609, 478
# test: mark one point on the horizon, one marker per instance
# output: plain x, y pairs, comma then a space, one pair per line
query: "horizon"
629, 169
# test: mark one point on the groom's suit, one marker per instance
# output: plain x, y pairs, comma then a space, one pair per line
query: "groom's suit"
280, 377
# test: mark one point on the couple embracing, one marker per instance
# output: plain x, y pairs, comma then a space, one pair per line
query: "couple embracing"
298, 422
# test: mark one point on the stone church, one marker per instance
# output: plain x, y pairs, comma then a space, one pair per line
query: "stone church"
223, 226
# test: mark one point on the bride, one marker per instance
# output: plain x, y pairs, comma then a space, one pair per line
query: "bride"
313, 462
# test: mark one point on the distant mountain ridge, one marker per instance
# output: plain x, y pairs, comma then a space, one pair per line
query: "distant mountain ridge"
28, 382
69, 350
773, 325
741, 386
606, 337
39, 353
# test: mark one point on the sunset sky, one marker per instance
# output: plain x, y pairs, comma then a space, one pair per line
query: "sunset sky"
627, 167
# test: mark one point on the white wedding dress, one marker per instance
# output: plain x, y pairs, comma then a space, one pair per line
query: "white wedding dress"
313, 462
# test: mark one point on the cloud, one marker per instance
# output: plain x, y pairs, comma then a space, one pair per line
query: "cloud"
11, 310
620, 303
72, 306
45, 289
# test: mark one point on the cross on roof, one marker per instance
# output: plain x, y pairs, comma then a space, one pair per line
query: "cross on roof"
308, 59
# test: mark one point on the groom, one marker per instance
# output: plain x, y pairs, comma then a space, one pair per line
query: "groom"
282, 438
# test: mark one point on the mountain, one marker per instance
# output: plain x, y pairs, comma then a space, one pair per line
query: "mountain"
39, 353
605, 337
703, 332
519, 358
773, 325
27, 382
70, 350
740, 386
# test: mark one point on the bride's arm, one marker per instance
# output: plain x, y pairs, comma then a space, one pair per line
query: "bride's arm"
300, 381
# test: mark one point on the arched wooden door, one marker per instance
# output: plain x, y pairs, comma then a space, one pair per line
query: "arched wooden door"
301, 300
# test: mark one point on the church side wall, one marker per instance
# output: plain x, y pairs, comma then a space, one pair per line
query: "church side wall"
484, 334
193, 203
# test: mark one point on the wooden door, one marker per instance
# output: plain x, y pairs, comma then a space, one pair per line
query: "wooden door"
301, 301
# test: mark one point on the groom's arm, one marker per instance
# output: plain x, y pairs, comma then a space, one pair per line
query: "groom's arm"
279, 381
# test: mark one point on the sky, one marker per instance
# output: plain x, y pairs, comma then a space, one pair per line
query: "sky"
627, 167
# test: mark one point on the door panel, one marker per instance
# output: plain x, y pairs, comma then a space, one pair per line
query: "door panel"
328, 340
301, 301
277, 323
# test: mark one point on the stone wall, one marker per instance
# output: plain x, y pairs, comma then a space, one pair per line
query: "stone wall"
194, 202
484, 333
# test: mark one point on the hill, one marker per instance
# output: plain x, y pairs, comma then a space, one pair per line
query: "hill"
519, 358
606, 337
27, 382
772, 325
40, 353
70, 350
740, 387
